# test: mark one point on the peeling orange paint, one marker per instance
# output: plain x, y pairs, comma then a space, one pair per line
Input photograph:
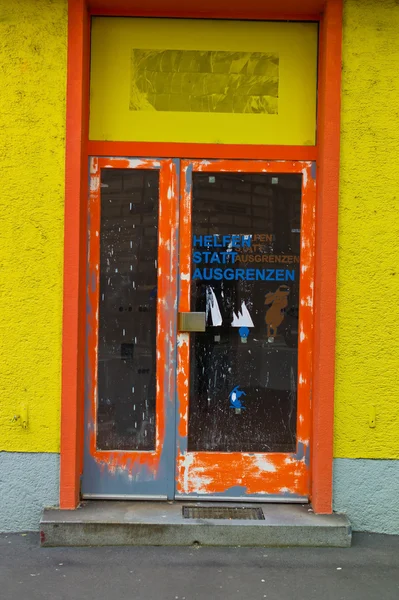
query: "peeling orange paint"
132, 461
203, 472
258, 473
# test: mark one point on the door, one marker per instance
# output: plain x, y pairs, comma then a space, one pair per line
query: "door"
214, 404
244, 384
131, 329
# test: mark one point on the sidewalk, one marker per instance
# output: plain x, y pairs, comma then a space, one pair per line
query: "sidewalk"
369, 570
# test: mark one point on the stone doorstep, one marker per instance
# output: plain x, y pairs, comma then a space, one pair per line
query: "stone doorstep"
121, 523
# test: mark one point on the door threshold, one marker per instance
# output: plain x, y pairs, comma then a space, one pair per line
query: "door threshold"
269, 499
118, 523
133, 497
208, 498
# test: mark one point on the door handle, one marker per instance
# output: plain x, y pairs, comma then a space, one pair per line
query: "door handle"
191, 321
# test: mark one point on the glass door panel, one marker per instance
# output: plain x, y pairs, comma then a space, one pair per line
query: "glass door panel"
127, 309
245, 257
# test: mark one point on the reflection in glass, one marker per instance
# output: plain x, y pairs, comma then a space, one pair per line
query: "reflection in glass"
127, 309
245, 276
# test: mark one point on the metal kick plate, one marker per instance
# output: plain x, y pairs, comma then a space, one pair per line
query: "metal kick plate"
191, 321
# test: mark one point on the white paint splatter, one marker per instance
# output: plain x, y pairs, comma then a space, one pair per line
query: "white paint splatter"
264, 464
212, 306
94, 183
134, 163
305, 178
194, 478
93, 166
242, 318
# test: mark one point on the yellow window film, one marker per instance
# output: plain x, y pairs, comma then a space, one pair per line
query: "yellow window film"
180, 80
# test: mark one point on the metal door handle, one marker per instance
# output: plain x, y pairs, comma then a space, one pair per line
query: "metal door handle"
191, 321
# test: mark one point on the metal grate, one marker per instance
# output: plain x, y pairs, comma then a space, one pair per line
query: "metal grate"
222, 512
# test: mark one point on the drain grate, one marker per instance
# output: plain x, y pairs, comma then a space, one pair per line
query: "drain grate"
222, 512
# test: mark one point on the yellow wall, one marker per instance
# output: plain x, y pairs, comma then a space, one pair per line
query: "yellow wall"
367, 370
32, 113
112, 116
32, 131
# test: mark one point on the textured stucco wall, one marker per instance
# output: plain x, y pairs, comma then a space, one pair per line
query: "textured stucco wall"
32, 131
368, 492
368, 255
28, 482
368, 272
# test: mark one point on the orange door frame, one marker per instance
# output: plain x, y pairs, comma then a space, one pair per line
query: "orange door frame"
78, 148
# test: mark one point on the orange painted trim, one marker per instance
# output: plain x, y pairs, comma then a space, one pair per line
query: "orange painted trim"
326, 254
271, 473
75, 235
326, 246
178, 150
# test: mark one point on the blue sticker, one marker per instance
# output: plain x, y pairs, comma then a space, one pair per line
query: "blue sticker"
235, 396
244, 332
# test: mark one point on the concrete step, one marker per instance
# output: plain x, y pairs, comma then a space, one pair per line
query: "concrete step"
120, 523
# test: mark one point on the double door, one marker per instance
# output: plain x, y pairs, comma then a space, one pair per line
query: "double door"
199, 329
